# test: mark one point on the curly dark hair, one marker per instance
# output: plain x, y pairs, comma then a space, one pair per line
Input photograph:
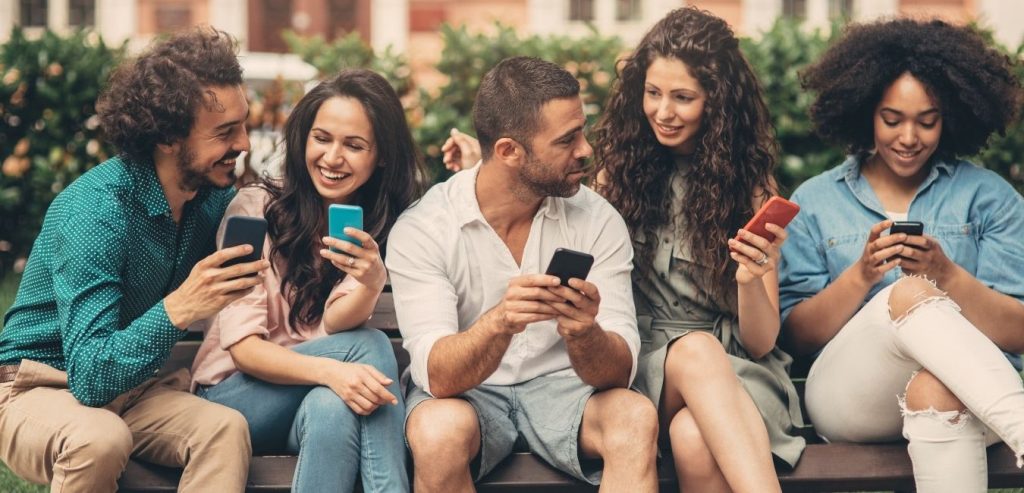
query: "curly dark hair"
296, 214
734, 158
153, 99
973, 83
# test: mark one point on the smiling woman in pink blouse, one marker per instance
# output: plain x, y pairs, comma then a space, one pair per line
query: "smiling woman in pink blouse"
292, 355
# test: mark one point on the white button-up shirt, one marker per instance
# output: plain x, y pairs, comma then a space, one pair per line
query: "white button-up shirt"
448, 267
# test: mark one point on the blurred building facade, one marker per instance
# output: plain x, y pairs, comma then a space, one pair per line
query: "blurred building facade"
410, 26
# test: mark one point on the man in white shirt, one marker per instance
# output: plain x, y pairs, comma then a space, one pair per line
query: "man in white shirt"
499, 350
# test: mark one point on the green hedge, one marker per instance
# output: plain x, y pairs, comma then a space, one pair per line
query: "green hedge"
48, 88
49, 134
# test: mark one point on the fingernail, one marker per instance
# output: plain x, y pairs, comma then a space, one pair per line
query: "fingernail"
325, 238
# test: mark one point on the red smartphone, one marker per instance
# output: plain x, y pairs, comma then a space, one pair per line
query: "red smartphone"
778, 211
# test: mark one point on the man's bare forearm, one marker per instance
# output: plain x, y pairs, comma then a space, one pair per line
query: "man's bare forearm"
462, 361
602, 359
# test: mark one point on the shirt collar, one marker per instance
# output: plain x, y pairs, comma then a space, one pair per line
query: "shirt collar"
150, 191
467, 207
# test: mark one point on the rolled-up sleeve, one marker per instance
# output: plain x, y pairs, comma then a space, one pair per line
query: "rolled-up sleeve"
1001, 241
426, 302
803, 271
613, 265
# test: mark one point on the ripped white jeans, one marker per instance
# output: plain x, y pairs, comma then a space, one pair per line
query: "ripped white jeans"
855, 387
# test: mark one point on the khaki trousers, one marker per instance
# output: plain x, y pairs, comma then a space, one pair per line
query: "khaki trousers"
47, 436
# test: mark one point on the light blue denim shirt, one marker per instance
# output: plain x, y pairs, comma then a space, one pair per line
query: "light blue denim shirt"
975, 214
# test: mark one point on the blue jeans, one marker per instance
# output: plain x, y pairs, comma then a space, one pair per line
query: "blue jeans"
334, 444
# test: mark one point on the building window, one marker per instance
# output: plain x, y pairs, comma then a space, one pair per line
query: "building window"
794, 9
33, 13
628, 10
82, 13
173, 16
581, 10
840, 9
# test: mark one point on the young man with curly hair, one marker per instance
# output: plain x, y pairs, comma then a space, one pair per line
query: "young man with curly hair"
915, 334
121, 268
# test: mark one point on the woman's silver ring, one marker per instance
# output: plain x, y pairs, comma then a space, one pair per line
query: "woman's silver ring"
351, 261
763, 260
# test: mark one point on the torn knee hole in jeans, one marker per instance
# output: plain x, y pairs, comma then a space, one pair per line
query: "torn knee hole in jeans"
955, 419
921, 299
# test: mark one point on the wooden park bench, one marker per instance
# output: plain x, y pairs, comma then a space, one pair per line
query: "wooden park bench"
823, 467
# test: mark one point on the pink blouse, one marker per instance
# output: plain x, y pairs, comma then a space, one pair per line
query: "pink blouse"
264, 311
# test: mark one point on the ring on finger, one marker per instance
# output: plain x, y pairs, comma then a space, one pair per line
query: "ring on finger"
763, 260
351, 261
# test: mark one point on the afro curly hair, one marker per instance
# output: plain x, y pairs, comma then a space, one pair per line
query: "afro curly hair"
153, 99
973, 83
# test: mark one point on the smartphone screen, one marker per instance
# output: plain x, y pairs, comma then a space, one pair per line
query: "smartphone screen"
568, 264
241, 230
341, 216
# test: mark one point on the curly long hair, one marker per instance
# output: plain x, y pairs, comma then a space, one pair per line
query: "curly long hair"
973, 83
154, 99
735, 155
296, 214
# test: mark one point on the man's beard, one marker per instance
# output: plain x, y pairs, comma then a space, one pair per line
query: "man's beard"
538, 178
191, 179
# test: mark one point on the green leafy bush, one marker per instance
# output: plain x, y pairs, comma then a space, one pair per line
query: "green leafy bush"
350, 51
49, 134
467, 57
777, 58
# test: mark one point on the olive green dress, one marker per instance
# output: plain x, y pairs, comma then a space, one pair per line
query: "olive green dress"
671, 303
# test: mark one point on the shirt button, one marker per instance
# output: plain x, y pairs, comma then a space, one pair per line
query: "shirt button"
675, 303
666, 240
662, 275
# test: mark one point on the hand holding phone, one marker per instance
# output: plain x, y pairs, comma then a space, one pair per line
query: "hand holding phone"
240, 230
567, 264
341, 216
777, 211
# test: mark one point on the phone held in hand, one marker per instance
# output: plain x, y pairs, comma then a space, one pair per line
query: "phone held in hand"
341, 216
242, 230
911, 228
777, 211
567, 264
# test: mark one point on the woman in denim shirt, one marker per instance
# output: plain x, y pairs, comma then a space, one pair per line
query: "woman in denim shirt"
927, 317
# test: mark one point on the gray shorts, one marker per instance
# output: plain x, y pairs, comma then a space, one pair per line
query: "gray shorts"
546, 411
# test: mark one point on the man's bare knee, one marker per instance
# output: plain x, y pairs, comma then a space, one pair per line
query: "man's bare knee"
626, 422
908, 293
926, 392
443, 429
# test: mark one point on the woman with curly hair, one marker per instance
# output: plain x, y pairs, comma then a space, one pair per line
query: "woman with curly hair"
293, 356
926, 317
685, 152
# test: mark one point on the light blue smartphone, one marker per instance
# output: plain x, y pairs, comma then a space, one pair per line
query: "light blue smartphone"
339, 217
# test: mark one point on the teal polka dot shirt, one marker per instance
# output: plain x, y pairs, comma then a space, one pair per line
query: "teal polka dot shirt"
91, 298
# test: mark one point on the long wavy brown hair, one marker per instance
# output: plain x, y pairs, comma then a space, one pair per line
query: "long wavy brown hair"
297, 215
735, 155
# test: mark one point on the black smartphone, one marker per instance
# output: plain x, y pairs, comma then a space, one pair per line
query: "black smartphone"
911, 228
567, 264
240, 230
